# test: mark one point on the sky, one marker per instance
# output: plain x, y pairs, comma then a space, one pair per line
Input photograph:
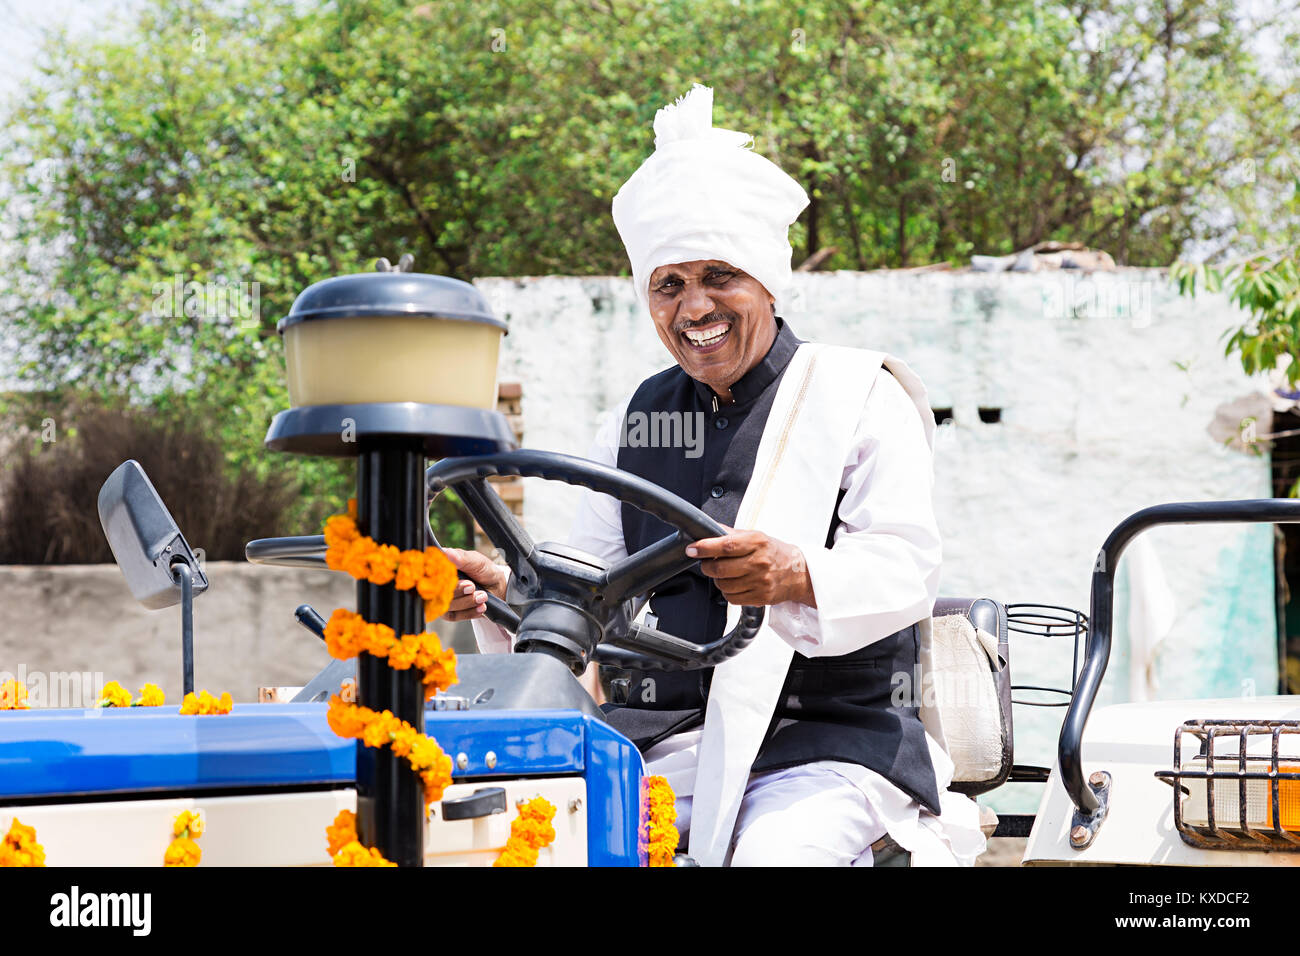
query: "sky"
23, 21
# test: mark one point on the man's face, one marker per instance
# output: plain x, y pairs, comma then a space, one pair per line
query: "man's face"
717, 321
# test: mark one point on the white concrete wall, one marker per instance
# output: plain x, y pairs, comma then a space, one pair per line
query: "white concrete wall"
1106, 385
82, 619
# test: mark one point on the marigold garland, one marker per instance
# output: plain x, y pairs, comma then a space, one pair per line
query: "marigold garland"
115, 695
183, 851
348, 634
529, 832
205, 703
376, 729
429, 572
345, 849
19, 847
661, 813
13, 695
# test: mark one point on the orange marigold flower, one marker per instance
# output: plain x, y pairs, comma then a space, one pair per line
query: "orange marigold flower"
517, 856
382, 564
410, 569
354, 854
404, 652
661, 812
342, 832
346, 720
529, 833
376, 734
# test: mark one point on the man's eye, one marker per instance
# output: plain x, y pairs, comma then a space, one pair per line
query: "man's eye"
667, 284
720, 276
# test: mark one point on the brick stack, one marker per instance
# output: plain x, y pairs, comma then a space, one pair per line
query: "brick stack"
511, 489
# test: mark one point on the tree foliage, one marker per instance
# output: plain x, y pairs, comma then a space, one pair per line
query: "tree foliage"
268, 142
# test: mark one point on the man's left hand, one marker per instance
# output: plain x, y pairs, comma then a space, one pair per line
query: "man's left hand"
751, 568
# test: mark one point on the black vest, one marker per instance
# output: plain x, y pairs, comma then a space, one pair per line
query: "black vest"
831, 708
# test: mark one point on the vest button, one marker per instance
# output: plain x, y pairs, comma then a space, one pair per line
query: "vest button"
717, 491
720, 422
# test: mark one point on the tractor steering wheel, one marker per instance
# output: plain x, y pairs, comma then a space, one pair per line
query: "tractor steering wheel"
575, 606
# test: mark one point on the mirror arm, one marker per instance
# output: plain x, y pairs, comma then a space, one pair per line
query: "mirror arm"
182, 574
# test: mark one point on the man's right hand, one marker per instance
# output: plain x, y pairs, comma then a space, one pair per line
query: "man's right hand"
469, 601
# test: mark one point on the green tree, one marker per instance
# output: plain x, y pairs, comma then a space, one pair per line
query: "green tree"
268, 142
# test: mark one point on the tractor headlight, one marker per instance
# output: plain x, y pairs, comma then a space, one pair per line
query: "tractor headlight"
392, 337
1241, 789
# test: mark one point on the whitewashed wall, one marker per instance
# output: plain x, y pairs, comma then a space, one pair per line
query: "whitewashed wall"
1106, 385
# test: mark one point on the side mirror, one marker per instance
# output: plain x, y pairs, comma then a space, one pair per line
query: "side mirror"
146, 542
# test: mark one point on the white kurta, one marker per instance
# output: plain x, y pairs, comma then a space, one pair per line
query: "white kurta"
882, 575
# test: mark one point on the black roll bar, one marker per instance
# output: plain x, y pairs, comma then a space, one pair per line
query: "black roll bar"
1100, 612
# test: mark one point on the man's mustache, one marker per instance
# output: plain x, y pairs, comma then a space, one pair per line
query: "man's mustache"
713, 318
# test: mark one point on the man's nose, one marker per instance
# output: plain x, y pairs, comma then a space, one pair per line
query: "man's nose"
696, 302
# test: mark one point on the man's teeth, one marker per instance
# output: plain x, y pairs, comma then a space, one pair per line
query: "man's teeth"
708, 336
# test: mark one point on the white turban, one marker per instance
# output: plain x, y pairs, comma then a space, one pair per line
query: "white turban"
703, 194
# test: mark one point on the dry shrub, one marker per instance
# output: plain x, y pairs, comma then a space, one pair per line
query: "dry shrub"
48, 498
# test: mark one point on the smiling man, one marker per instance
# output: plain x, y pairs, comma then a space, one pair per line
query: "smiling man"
819, 459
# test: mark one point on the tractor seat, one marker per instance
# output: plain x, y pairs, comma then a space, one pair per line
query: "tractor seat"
971, 703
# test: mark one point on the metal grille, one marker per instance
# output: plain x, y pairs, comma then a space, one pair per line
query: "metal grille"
1235, 789
1055, 621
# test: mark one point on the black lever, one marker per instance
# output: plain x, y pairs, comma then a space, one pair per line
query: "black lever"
481, 803
309, 618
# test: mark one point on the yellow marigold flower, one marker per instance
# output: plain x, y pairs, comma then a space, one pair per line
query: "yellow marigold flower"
181, 823
114, 695
19, 846
182, 852
404, 740
205, 703
13, 695
151, 695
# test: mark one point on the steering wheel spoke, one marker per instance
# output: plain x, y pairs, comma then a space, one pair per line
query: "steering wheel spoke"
648, 568
499, 524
